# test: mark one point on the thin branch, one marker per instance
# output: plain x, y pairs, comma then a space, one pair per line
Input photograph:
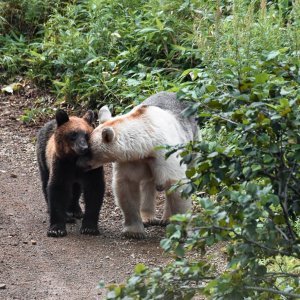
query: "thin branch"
282, 233
226, 119
264, 247
275, 251
268, 175
282, 193
223, 118
273, 291
282, 274
294, 190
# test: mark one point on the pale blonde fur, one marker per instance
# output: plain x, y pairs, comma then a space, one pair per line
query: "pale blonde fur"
131, 142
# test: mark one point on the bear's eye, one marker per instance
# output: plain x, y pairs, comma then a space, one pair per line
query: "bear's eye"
73, 135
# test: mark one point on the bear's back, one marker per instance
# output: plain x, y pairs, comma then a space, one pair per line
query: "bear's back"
169, 102
43, 137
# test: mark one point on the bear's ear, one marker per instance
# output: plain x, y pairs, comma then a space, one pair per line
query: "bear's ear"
61, 117
104, 114
89, 117
108, 134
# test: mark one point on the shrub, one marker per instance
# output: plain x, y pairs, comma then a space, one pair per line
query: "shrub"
238, 62
246, 97
95, 51
26, 17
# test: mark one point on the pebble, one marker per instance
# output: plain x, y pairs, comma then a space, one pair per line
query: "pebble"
33, 242
2, 286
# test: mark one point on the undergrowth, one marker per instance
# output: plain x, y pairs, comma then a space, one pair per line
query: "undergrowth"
238, 63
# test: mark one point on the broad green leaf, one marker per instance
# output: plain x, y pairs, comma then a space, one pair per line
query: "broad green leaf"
211, 88
176, 235
261, 78
133, 82
11, 88
230, 61
272, 55
140, 268
256, 168
148, 30
165, 244
213, 154
179, 251
159, 24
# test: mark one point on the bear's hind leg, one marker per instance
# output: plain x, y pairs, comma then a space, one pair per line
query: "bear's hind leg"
93, 193
45, 178
148, 196
127, 194
58, 194
74, 209
175, 205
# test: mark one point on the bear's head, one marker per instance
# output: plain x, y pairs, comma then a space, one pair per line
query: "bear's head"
119, 139
103, 143
72, 134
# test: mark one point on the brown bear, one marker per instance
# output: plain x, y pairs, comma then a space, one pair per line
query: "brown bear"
59, 144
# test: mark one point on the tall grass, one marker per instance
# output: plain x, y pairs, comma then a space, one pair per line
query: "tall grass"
91, 52
26, 17
97, 51
246, 32
239, 62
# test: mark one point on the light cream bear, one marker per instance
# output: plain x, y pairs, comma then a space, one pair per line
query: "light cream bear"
130, 141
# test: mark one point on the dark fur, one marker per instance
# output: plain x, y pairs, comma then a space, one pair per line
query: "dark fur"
63, 189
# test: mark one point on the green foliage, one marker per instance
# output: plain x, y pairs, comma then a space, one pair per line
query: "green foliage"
12, 49
25, 17
246, 96
96, 51
172, 282
34, 114
238, 62
21, 21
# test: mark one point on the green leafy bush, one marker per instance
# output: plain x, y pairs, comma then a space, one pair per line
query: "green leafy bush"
26, 17
97, 51
246, 97
238, 62
21, 22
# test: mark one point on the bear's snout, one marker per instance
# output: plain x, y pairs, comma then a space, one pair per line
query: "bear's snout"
81, 147
83, 150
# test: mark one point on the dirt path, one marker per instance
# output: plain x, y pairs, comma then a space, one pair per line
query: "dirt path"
33, 266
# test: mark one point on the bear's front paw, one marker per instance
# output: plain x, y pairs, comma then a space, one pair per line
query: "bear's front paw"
155, 222
135, 231
134, 235
89, 230
57, 230
72, 215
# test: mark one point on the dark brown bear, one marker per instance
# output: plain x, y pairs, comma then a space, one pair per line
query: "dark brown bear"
59, 144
